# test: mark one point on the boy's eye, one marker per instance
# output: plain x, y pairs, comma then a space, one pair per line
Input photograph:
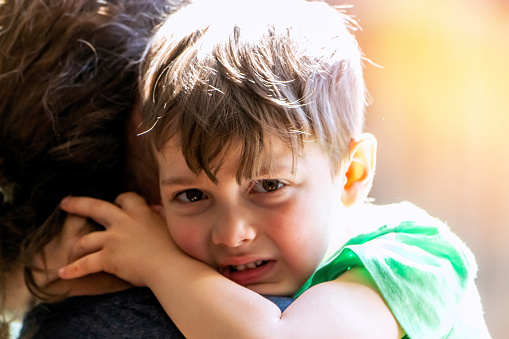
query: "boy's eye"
267, 185
191, 195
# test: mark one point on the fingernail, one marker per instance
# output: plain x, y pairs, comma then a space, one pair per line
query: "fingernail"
64, 201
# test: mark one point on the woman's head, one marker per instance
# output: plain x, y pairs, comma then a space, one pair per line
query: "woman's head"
68, 74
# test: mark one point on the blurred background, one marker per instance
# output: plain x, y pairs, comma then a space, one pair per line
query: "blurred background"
440, 112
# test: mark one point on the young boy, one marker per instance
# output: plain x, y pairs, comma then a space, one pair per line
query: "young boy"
255, 119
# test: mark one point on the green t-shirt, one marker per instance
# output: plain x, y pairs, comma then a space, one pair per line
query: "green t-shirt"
424, 272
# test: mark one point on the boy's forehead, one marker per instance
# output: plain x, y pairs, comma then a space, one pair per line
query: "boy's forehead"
276, 157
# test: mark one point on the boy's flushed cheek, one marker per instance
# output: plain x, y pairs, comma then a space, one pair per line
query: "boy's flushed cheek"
298, 227
188, 238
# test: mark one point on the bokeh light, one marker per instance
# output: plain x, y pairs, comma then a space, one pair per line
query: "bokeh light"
440, 113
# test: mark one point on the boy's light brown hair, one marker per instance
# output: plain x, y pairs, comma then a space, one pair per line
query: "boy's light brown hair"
229, 73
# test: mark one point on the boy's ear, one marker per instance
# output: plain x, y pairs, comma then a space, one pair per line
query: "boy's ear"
361, 170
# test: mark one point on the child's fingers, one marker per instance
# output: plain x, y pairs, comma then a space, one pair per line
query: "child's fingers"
129, 201
92, 242
89, 264
90, 259
60, 251
101, 211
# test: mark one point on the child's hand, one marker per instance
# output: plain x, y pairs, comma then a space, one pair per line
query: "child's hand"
60, 251
136, 239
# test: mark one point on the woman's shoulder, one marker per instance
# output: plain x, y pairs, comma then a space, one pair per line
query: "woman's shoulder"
130, 313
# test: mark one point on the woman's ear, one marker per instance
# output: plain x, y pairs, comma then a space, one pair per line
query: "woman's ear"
361, 170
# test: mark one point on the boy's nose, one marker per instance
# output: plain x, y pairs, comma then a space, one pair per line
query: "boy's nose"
232, 230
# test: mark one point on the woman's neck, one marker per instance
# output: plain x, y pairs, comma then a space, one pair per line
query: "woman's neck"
93, 284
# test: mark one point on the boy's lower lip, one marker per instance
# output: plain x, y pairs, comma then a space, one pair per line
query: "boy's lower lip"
250, 275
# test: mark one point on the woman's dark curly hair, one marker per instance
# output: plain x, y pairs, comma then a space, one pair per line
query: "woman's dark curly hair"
68, 83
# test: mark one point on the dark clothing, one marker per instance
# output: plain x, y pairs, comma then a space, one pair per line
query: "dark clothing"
133, 313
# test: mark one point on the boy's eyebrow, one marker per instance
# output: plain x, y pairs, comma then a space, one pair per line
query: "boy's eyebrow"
277, 169
183, 181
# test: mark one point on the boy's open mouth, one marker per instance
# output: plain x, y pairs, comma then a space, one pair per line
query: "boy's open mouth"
254, 264
250, 273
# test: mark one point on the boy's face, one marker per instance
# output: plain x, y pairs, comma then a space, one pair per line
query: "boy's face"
268, 234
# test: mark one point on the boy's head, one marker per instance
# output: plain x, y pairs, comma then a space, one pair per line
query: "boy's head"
227, 73
255, 112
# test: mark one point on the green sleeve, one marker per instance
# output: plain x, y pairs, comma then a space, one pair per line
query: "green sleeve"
421, 271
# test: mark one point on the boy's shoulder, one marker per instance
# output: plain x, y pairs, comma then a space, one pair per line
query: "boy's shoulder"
424, 271
370, 217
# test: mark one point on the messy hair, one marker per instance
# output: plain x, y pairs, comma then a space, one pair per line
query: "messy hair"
68, 79
223, 74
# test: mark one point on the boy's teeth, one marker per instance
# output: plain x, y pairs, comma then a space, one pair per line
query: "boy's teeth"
240, 267
253, 264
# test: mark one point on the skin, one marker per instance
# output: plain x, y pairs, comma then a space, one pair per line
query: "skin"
63, 250
139, 243
17, 297
283, 221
